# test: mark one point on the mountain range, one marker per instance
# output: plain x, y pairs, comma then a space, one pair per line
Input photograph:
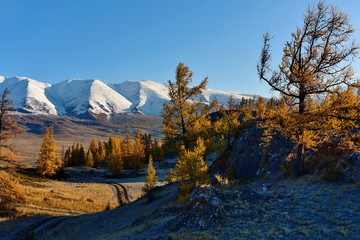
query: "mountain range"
92, 98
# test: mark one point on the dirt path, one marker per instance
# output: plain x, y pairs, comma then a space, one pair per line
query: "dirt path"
120, 193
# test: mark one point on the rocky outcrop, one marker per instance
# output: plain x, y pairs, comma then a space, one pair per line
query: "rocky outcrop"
246, 157
207, 207
352, 171
203, 210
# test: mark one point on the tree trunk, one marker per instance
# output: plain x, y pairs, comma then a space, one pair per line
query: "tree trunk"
298, 162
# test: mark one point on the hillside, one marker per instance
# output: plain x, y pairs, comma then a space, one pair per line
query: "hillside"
292, 209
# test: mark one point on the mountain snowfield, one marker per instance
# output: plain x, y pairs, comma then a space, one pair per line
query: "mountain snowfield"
92, 98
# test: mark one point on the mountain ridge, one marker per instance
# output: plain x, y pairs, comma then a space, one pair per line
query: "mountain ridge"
90, 98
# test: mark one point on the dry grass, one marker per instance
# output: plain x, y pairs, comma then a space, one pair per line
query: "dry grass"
63, 198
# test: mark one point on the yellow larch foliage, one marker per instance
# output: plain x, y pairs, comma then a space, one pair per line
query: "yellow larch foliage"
150, 181
49, 160
191, 169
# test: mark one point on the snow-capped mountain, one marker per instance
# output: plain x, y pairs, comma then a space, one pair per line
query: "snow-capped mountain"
147, 96
28, 95
77, 97
91, 98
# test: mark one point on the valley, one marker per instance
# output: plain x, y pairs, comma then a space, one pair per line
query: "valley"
71, 129
120, 159
82, 190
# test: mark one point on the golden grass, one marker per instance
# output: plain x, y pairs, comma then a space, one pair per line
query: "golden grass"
63, 198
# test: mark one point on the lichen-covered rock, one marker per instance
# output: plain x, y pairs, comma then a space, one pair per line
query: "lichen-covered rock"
203, 210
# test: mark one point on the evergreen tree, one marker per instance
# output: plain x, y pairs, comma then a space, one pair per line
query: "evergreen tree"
49, 160
67, 158
157, 152
147, 142
150, 181
74, 154
82, 157
314, 65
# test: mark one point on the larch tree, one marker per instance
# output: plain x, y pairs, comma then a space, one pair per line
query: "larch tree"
138, 147
89, 159
184, 111
150, 181
260, 108
191, 169
116, 163
93, 146
49, 160
101, 154
9, 192
8, 129
230, 119
316, 63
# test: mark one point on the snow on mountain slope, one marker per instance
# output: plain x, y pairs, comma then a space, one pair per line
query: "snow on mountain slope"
147, 96
28, 95
223, 97
80, 97
86, 98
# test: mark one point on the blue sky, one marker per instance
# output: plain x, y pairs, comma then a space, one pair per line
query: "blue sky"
118, 40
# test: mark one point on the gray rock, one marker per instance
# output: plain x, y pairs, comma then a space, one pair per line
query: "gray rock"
203, 210
247, 157
352, 171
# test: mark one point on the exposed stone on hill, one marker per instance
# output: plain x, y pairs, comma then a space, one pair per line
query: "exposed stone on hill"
208, 208
203, 210
352, 172
247, 158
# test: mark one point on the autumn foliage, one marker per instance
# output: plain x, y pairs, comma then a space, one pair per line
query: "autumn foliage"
315, 80
49, 159
117, 153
